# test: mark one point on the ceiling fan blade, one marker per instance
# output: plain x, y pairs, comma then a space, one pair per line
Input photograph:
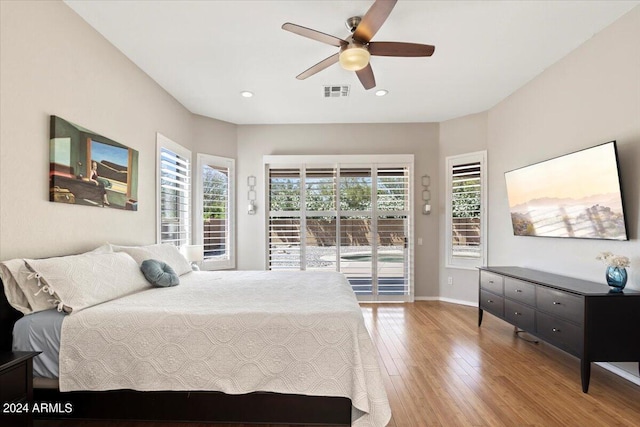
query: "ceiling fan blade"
366, 77
314, 35
319, 67
400, 49
373, 20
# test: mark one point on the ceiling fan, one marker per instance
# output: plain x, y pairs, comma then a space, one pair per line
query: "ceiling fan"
355, 50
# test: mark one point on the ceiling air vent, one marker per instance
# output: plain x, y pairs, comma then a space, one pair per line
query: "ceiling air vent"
336, 91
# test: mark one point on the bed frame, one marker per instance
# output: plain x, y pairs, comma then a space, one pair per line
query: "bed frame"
198, 406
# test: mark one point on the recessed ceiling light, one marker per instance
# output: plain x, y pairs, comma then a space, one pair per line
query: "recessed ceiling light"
246, 94
381, 92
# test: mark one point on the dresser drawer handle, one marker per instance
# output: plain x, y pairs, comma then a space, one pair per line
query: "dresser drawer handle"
489, 300
556, 303
519, 291
517, 313
490, 281
555, 329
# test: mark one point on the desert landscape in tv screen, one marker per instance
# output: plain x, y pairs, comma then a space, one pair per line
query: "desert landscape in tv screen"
577, 195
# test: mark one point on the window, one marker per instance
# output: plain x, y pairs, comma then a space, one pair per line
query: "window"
215, 211
466, 239
174, 192
350, 214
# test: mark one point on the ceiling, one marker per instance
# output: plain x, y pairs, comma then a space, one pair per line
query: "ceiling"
205, 53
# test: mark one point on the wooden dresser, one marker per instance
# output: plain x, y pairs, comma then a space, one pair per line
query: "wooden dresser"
580, 317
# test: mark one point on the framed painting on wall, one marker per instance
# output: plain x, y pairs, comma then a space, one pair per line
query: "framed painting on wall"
86, 168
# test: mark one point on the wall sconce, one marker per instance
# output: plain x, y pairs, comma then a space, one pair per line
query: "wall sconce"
426, 195
251, 194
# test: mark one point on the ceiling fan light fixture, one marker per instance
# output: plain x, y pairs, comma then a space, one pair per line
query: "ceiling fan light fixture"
354, 58
356, 49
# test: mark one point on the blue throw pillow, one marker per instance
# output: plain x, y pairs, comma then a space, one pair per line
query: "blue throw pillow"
159, 273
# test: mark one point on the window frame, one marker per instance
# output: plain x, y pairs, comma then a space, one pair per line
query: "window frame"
462, 262
166, 143
203, 159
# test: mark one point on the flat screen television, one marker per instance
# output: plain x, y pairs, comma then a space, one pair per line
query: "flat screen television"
577, 195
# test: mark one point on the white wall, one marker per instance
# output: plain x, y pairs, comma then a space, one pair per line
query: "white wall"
458, 136
421, 140
53, 63
589, 97
212, 136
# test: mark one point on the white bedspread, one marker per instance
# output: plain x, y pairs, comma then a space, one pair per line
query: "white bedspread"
235, 332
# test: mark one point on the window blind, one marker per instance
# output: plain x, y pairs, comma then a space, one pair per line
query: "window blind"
215, 209
284, 219
175, 197
215, 212
393, 204
466, 210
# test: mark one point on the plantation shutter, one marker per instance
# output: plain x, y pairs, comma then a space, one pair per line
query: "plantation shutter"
466, 211
393, 211
215, 211
215, 207
319, 237
175, 197
466, 245
284, 219
357, 228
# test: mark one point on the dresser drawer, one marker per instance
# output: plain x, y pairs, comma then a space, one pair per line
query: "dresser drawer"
13, 384
520, 315
562, 304
521, 291
493, 303
560, 333
491, 282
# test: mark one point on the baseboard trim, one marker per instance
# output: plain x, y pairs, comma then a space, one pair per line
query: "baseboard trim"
450, 300
620, 372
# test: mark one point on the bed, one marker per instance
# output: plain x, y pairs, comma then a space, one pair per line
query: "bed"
272, 347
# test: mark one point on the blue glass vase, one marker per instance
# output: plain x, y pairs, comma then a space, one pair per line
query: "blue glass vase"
616, 278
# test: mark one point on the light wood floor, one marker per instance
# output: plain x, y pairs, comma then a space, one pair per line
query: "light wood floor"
440, 369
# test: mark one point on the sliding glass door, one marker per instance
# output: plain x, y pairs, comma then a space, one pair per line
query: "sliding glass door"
349, 217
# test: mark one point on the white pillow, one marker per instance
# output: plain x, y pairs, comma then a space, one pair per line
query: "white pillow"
15, 296
22, 289
166, 253
80, 281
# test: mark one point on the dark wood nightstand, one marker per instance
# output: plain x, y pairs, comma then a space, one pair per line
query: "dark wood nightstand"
16, 387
